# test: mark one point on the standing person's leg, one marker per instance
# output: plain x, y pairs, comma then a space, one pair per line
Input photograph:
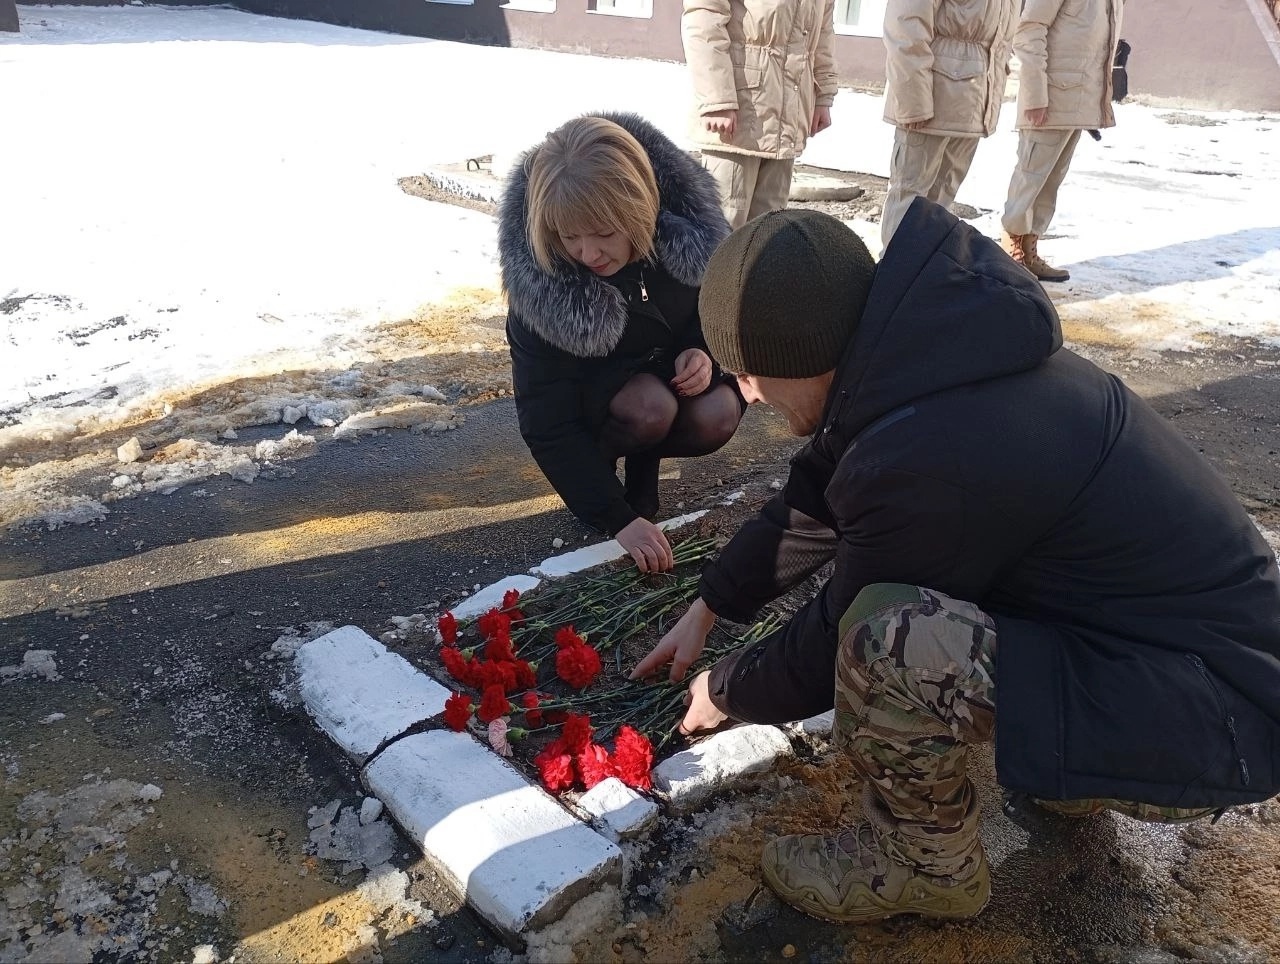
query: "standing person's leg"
957, 158
915, 688
913, 169
1046, 201
773, 186
1033, 193
735, 175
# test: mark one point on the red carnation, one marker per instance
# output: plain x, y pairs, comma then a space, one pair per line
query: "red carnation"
459, 666
494, 623
448, 627
457, 710
594, 764
510, 598
493, 704
555, 766
525, 674
577, 732
532, 715
633, 758
499, 646
565, 636
578, 665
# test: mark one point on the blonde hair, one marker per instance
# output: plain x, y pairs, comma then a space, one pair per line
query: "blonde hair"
589, 174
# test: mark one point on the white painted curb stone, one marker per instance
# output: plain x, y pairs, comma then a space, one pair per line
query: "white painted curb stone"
491, 595
820, 725
519, 857
362, 694
617, 811
567, 563
690, 778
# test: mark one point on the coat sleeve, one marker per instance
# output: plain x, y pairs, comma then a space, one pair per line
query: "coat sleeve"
825, 78
896, 527
704, 28
549, 407
1031, 44
908, 39
790, 539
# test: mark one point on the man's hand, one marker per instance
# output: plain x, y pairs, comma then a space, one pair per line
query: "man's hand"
701, 713
821, 120
693, 372
918, 125
681, 646
1036, 116
647, 545
722, 122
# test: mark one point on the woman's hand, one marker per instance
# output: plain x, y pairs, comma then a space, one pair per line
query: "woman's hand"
701, 713
681, 646
693, 372
821, 120
647, 545
722, 122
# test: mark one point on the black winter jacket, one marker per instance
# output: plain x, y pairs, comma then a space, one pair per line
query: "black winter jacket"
576, 338
1137, 607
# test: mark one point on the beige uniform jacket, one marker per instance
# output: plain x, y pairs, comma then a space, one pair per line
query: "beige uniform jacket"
1066, 48
770, 60
946, 62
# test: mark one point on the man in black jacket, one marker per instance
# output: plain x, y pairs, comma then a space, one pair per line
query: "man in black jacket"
1004, 517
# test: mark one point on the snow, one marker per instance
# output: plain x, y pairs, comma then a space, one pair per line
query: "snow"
203, 230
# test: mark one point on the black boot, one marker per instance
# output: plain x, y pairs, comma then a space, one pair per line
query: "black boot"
641, 484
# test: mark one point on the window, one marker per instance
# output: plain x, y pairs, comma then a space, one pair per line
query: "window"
622, 8
861, 18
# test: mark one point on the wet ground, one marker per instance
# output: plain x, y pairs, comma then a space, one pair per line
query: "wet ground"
162, 790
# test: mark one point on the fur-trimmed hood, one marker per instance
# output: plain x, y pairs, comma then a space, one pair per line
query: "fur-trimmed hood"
573, 309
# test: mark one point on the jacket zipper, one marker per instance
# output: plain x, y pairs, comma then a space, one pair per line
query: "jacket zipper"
1228, 719
644, 292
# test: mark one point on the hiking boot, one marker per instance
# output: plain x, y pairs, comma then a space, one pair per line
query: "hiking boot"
1012, 244
852, 879
1037, 265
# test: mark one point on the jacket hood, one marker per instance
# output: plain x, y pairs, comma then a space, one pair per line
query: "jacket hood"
948, 307
575, 310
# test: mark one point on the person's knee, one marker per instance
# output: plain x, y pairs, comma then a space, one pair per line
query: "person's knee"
714, 424
875, 602
646, 417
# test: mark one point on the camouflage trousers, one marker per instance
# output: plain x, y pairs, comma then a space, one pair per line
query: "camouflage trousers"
915, 687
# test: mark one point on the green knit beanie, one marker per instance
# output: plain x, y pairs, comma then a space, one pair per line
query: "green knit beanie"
782, 295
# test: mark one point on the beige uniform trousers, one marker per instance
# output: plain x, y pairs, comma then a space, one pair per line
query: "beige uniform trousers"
749, 185
923, 165
1043, 159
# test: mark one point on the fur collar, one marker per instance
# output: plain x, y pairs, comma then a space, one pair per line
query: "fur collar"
573, 309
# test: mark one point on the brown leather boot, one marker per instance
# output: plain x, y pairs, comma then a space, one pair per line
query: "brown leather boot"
1012, 244
1037, 265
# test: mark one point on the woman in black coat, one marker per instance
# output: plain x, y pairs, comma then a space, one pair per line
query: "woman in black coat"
605, 229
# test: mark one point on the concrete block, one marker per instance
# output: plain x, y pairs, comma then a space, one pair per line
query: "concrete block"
491, 595
519, 858
819, 725
588, 557
689, 778
360, 693
811, 185
617, 811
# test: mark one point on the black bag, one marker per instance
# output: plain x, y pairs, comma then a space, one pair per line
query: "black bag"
1119, 75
